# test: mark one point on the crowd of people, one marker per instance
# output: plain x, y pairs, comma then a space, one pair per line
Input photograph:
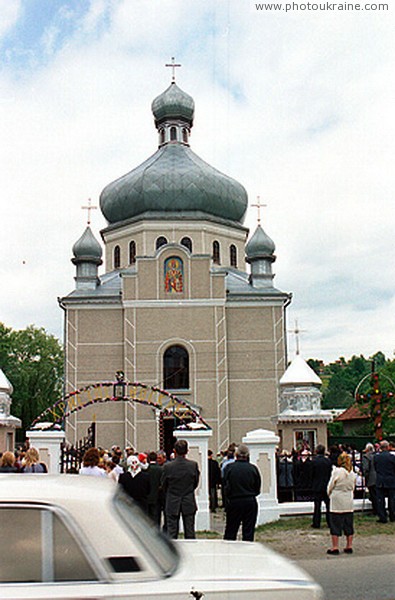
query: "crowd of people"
330, 478
164, 488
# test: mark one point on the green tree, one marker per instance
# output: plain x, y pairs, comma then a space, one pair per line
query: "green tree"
32, 360
343, 379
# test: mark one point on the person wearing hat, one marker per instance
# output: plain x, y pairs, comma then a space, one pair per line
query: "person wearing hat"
242, 483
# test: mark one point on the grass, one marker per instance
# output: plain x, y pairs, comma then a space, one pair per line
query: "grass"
365, 524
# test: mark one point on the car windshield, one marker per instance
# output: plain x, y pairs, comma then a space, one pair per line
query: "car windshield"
161, 549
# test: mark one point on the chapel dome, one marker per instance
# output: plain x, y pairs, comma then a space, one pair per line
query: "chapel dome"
174, 179
299, 373
260, 245
87, 247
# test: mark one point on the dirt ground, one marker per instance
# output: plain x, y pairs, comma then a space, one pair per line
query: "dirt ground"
305, 542
300, 545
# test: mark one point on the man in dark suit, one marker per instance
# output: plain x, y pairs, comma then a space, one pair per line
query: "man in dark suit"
384, 463
155, 473
242, 483
179, 480
321, 469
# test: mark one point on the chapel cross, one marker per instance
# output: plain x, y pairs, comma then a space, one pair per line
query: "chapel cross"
297, 331
173, 66
89, 208
258, 205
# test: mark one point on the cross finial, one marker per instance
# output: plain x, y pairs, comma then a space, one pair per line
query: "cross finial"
258, 205
173, 66
297, 331
89, 208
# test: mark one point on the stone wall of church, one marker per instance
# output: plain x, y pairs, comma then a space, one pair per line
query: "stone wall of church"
256, 358
146, 233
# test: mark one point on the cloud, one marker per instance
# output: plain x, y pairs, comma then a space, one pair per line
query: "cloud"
296, 107
10, 12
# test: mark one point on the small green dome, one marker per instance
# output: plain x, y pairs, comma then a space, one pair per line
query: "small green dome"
173, 103
87, 247
260, 245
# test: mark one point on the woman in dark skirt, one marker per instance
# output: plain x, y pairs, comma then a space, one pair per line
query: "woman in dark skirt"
341, 503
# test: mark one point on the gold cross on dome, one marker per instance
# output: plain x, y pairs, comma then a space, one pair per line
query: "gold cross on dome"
173, 66
89, 208
258, 205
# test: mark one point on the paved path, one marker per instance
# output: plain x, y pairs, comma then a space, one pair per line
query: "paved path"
354, 577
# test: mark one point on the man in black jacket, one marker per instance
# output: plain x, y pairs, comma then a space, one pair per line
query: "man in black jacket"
180, 478
321, 473
242, 483
384, 463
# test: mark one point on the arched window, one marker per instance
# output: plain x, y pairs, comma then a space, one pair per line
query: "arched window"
132, 252
161, 241
161, 136
117, 257
176, 368
185, 135
233, 255
216, 253
173, 134
187, 242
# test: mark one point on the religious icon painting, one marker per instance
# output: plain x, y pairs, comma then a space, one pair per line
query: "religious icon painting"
174, 275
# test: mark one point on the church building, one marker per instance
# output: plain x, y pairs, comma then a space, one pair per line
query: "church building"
176, 307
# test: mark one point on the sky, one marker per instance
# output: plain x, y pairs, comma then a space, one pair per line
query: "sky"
297, 105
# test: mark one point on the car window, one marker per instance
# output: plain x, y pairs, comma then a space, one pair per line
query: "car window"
39, 548
161, 550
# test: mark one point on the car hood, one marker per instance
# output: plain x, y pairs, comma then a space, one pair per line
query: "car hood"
211, 560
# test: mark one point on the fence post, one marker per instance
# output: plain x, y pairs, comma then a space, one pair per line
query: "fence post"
48, 443
262, 444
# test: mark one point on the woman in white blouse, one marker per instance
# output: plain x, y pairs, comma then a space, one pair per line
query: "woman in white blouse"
341, 503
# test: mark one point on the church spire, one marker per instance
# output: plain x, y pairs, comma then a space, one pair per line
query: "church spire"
173, 112
87, 257
260, 254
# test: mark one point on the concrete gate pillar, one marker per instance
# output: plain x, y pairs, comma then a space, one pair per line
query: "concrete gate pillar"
198, 440
262, 444
47, 442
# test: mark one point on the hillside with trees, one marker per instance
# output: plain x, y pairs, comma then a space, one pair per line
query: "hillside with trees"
342, 378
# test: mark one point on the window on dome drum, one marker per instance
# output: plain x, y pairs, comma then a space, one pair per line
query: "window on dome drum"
161, 136
233, 255
187, 242
161, 241
176, 368
173, 134
185, 135
132, 252
117, 257
216, 253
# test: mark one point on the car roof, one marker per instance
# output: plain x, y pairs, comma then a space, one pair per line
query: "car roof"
30, 487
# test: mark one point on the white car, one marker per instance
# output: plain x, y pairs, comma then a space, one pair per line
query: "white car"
70, 536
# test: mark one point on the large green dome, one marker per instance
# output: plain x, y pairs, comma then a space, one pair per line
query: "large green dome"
174, 179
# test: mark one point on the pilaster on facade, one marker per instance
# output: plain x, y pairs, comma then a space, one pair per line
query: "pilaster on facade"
279, 343
130, 343
223, 415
